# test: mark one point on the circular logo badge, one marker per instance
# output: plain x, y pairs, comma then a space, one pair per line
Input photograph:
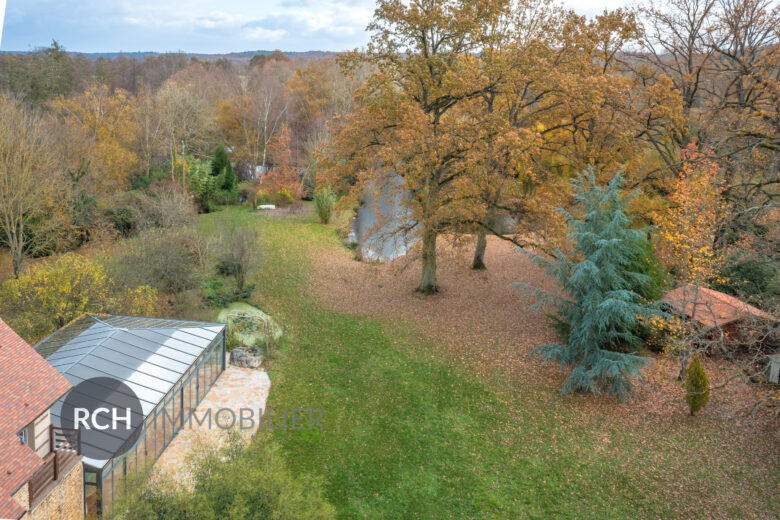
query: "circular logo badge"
106, 412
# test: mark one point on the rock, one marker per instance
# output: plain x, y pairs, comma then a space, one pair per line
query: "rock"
247, 357
252, 327
266, 206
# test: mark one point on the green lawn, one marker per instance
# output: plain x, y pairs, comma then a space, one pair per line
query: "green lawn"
409, 433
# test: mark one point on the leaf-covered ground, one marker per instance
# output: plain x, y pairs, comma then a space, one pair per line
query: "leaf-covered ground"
433, 408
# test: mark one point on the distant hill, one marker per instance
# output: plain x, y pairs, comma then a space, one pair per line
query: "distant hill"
232, 56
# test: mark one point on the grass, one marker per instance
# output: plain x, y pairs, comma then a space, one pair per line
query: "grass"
409, 433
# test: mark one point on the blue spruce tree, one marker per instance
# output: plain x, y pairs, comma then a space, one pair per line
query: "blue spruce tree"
600, 308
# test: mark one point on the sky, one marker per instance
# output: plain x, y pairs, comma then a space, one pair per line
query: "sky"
198, 26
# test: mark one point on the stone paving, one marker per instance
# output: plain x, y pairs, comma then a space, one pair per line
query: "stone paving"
236, 388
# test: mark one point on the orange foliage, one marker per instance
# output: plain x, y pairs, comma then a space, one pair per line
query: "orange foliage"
282, 175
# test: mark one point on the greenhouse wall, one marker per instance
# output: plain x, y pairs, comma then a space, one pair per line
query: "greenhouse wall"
160, 427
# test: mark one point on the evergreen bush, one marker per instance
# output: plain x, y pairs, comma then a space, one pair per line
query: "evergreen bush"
697, 386
602, 307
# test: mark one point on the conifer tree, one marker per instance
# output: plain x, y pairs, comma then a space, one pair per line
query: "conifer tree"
601, 307
220, 165
697, 386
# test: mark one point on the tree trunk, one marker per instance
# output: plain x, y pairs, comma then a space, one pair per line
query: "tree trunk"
683, 364
16, 245
428, 282
17, 259
479, 252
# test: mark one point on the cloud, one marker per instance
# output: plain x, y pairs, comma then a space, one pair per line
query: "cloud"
263, 34
208, 26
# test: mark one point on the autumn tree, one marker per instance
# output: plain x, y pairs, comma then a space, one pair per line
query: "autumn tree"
253, 115
185, 120
406, 121
283, 174
31, 187
108, 123
561, 99
151, 143
688, 233
46, 298
689, 229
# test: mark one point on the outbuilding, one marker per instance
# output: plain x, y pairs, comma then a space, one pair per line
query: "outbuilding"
169, 365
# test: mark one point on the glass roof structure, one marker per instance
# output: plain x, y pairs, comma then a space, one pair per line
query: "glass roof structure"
149, 355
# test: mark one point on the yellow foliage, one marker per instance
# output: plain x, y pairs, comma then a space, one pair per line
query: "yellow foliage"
54, 293
689, 228
107, 123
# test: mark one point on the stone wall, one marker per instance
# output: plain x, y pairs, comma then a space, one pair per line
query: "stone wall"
23, 498
65, 501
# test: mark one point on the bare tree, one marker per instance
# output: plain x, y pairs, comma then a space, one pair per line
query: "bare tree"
238, 254
254, 115
29, 184
676, 44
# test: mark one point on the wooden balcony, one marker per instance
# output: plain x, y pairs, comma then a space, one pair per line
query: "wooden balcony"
64, 450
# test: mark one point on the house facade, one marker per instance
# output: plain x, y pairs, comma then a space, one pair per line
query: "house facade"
40, 465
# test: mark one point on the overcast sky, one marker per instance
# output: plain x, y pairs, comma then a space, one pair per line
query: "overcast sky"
202, 26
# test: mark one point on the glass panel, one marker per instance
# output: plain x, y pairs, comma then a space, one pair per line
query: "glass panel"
150, 430
214, 366
90, 499
131, 459
141, 451
168, 417
108, 490
188, 404
119, 478
207, 375
177, 407
201, 382
160, 442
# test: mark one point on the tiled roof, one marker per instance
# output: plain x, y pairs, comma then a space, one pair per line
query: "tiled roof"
28, 387
710, 307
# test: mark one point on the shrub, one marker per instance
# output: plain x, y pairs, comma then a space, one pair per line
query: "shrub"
262, 197
164, 259
697, 386
237, 254
324, 200
283, 197
202, 184
164, 205
247, 193
54, 293
750, 280
239, 480
602, 310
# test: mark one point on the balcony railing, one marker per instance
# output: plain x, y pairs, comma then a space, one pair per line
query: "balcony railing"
64, 448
